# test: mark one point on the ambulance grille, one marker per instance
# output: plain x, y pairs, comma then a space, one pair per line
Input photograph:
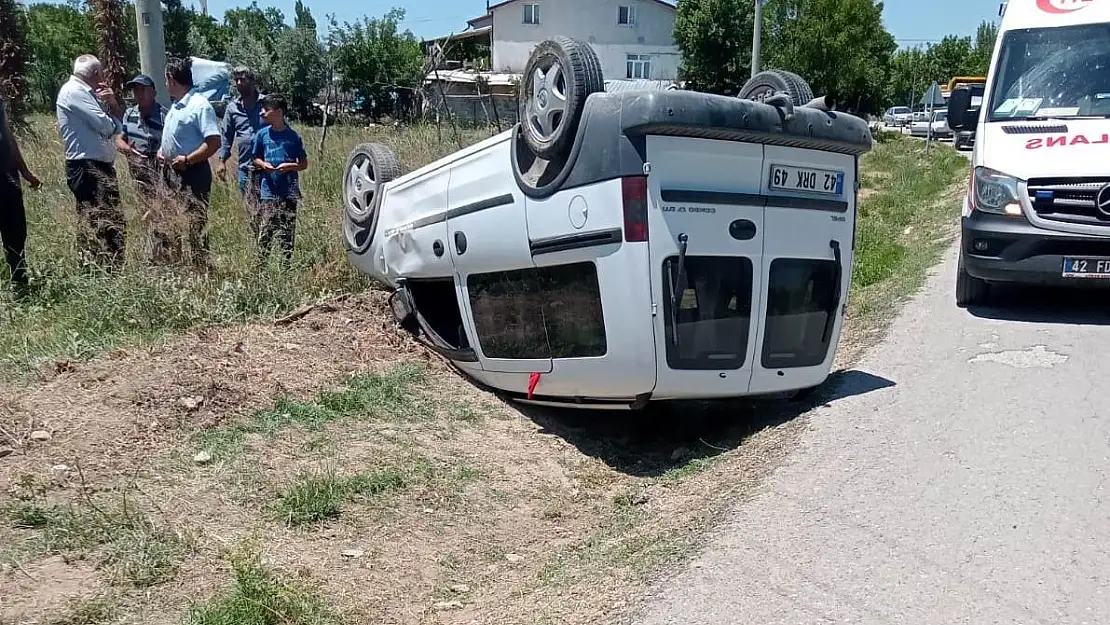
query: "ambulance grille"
1070, 200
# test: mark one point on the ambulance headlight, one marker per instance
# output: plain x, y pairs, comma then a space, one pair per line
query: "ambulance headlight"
995, 192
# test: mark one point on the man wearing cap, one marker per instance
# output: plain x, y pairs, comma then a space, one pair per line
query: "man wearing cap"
242, 118
13, 218
139, 142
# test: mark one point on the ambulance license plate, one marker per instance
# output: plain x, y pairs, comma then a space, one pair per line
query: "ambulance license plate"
790, 178
1086, 267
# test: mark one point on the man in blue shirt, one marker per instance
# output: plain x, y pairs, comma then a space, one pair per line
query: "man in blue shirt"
190, 137
242, 119
279, 155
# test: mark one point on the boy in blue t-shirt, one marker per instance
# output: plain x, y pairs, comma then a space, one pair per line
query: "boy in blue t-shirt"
279, 155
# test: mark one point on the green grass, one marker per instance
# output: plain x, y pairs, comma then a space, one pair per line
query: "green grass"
258, 596
92, 611
373, 396
314, 497
76, 314
905, 224
127, 544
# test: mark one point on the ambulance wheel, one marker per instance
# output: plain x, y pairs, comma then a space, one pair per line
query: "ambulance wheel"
561, 73
970, 291
773, 81
369, 165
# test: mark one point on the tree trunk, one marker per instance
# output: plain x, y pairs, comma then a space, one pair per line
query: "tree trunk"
14, 57
110, 35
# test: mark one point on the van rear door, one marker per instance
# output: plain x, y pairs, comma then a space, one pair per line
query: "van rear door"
706, 258
809, 232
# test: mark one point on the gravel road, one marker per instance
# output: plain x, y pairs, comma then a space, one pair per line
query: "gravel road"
958, 478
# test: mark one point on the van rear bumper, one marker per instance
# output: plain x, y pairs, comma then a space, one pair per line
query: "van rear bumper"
999, 248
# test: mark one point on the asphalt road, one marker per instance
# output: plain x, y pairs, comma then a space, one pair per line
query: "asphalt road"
958, 477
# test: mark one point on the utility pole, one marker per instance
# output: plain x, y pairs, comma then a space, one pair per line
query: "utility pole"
152, 45
756, 36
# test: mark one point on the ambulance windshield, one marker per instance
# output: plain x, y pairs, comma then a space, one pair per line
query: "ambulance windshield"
1053, 73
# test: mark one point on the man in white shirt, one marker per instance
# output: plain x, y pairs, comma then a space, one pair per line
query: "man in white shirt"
190, 136
88, 120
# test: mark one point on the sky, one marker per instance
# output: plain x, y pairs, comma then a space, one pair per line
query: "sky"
912, 22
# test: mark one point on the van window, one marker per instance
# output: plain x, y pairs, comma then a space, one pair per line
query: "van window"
709, 328
1059, 72
801, 295
544, 312
436, 301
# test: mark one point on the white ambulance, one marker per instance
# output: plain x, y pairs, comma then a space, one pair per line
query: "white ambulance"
1037, 209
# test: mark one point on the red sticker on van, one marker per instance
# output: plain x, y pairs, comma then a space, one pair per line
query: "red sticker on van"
1062, 140
1062, 6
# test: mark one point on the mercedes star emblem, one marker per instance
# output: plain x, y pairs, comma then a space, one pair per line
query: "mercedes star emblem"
1102, 200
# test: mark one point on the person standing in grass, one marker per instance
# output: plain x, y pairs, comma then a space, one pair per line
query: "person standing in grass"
13, 217
242, 119
190, 136
88, 120
139, 142
279, 155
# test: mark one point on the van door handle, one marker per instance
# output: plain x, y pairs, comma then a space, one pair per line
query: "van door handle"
460, 243
835, 245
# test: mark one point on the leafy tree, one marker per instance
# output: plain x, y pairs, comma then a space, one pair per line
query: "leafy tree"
303, 17
246, 49
14, 58
176, 20
263, 25
949, 58
840, 47
978, 63
56, 34
300, 70
208, 39
373, 57
715, 39
909, 76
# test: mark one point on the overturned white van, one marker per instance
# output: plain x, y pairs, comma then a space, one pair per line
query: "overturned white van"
617, 248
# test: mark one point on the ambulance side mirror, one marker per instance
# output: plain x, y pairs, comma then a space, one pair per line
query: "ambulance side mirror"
960, 115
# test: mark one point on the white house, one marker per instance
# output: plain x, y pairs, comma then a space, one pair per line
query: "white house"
633, 38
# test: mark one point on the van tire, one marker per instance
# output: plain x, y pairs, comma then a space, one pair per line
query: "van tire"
549, 129
970, 291
773, 81
367, 164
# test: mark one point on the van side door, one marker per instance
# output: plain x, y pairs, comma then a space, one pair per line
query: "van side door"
500, 292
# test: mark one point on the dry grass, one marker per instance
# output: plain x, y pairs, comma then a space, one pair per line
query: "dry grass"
345, 475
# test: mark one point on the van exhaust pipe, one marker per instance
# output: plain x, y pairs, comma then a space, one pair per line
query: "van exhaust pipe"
823, 103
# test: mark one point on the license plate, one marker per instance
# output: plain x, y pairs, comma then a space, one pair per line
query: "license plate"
1086, 268
790, 178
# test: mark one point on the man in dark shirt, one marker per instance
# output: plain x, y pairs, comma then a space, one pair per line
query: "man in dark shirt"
242, 119
13, 217
139, 142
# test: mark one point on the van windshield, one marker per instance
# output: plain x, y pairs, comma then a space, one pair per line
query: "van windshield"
1053, 72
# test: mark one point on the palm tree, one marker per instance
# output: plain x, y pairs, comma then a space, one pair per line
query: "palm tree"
111, 34
14, 59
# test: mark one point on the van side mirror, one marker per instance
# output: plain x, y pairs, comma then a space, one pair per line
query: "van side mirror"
960, 115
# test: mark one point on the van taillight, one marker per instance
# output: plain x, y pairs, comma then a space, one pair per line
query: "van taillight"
634, 199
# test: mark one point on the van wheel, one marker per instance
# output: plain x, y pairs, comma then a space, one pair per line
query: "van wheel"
970, 291
772, 81
369, 165
561, 73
